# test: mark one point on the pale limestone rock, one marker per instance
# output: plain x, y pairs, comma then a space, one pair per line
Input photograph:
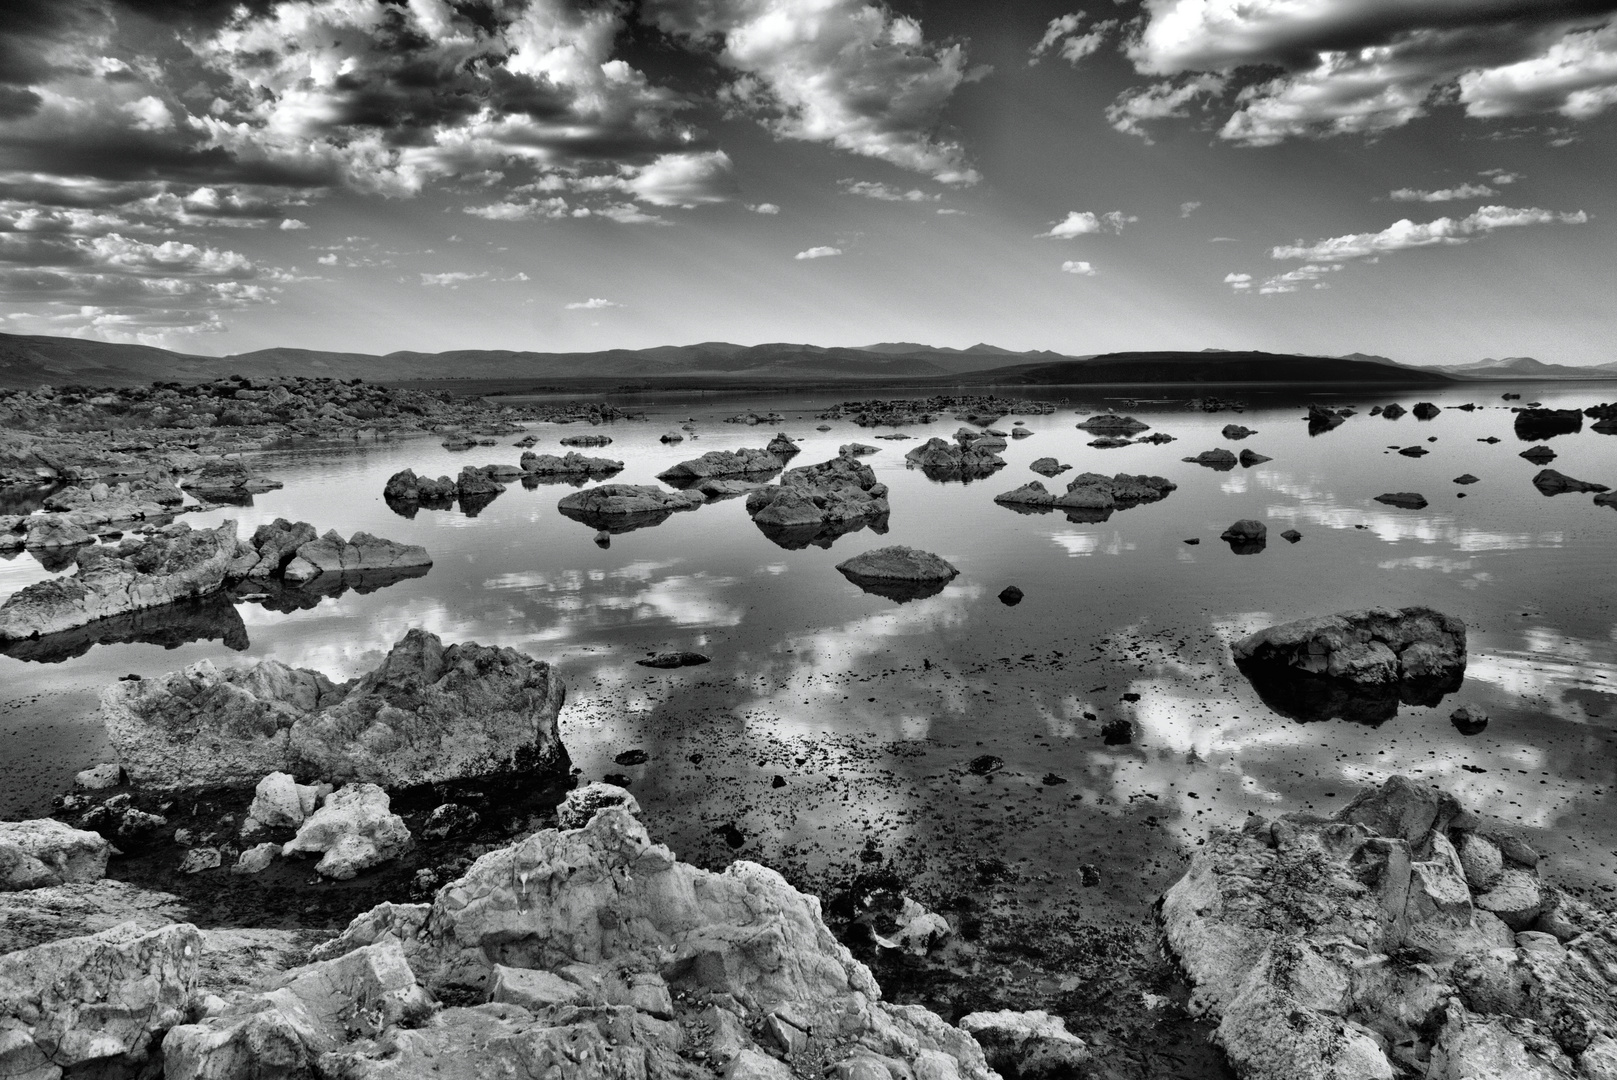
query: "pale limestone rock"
581, 804
353, 831
1029, 1045
55, 853
99, 778
256, 859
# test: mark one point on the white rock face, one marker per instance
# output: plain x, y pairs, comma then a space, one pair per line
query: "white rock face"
281, 802
1361, 946
99, 778
46, 852
256, 859
354, 830
597, 954
93, 1003
1028, 1045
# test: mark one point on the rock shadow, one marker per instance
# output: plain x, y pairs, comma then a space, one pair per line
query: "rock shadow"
820, 535
282, 596
1308, 697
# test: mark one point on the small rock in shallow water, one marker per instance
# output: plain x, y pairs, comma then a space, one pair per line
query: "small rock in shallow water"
632, 757
1468, 719
1465, 478
674, 660
1010, 596
1117, 733
1291, 536
1407, 500
983, 764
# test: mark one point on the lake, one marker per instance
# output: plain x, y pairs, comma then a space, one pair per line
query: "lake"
1062, 754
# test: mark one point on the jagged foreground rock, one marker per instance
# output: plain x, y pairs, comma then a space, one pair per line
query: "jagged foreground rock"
429, 713
1397, 938
580, 954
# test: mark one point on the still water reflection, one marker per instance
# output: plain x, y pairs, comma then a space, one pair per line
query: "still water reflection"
1100, 721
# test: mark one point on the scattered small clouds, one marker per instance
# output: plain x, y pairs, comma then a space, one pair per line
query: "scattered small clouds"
594, 303
1501, 177
1293, 280
1188, 208
1084, 223
1405, 234
290, 224
1224, 240
1238, 282
1073, 266
764, 208
949, 211
1062, 38
821, 252
453, 278
1463, 191
875, 189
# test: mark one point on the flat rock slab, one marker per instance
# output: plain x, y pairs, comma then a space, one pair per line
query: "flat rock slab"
1407, 500
674, 660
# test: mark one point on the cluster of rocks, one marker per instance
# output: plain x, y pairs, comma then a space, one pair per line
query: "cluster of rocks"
970, 455
227, 480
725, 464
82, 434
176, 563
1112, 424
1089, 494
1222, 460
1534, 424
1397, 937
879, 412
815, 504
80, 513
569, 465
1321, 419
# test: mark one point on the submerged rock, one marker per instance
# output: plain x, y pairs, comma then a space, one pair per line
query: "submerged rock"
1010, 596
675, 660
359, 555
428, 714
1535, 424
521, 944
1237, 431
174, 563
1048, 466
1359, 946
1550, 482
1425, 410
1250, 458
1246, 537
227, 480
1407, 500
1538, 455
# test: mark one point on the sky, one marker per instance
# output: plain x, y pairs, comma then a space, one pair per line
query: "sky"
1430, 180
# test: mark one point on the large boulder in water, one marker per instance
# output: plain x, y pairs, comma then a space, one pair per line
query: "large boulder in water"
429, 713
1374, 646
1113, 424
174, 563
834, 492
586, 953
1357, 946
899, 573
1533, 425
360, 555
608, 501
966, 458
571, 463
1550, 482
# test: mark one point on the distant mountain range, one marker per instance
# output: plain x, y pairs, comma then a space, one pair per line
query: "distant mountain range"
38, 360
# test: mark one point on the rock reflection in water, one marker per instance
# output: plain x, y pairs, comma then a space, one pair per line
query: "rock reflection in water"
276, 595
821, 535
900, 592
408, 508
1307, 697
617, 524
212, 618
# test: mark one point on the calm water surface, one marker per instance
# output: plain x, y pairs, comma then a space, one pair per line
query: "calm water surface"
871, 712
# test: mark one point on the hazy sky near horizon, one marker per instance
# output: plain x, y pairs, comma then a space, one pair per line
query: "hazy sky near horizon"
1430, 180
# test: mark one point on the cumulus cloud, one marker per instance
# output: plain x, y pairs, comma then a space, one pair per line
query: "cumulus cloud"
1238, 282
821, 252
1073, 266
594, 303
291, 224
1170, 98
1463, 191
1406, 234
764, 208
843, 72
1365, 66
1084, 223
1061, 36
874, 189
685, 179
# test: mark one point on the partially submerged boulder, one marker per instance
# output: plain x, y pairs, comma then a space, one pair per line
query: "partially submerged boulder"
1091, 492
147, 571
609, 505
1246, 537
899, 573
1219, 459
359, 555
228, 480
1359, 946
582, 953
723, 463
406, 487
1357, 663
968, 457
1550, 482
1113, 424
429, 713
1407, 500
1048, 466
827, 499
571, 463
